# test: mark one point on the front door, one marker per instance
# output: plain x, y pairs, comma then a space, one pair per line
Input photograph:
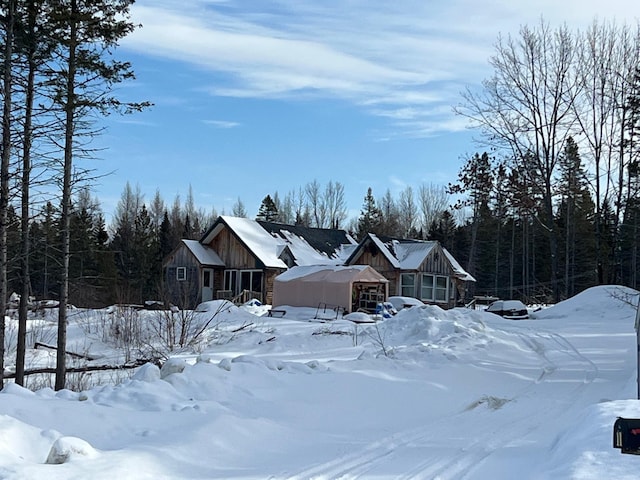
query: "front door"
207, 284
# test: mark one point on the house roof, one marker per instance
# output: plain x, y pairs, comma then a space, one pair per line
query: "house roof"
268, 240
461, 273
205, 255
311, 246
405, 254
255, 238
332, 274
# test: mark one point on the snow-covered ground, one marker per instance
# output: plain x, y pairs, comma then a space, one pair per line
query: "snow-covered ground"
427, 394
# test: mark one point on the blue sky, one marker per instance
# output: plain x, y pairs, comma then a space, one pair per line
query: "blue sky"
253, 97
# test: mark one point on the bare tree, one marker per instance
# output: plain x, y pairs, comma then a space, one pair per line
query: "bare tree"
335, 204
606, 61
433, 200
238, 209
407, 212
389, 215
286, 208
526, 108
316, 204
300, 207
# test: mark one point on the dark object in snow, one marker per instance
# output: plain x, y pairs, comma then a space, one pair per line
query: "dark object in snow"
276, 313
511, 309
626, 435
154, 305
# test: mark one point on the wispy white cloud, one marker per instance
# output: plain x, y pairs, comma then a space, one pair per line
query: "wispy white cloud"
406, 60
222, 123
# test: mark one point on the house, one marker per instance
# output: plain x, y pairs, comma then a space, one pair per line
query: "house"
338, 287
189, 273
238, 259
414, 268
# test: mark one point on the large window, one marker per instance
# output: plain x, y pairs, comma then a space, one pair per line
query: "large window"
408, 285
434, 288
251, 280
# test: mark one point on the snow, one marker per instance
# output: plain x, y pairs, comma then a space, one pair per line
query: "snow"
304, 253
428, 393
204, 254
257, 239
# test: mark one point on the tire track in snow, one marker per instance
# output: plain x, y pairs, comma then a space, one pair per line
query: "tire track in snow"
441, 458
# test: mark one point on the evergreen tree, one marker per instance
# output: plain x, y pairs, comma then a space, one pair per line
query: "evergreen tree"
475, 179
268, 210
371, 218
165, 237
443, 230
575, 222
145, 248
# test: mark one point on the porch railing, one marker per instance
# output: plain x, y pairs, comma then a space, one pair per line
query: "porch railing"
243, 297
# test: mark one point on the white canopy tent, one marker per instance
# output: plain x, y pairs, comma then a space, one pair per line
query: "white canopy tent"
335, 286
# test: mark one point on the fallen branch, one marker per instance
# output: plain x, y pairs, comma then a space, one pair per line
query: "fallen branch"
71, 354
243, 327
88, 368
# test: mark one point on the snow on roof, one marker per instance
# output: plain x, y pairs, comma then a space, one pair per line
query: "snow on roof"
411, 254
332, 273
304, 253
258, 240
385, 251
204, 254
460, 272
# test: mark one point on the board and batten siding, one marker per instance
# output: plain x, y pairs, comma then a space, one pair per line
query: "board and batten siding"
436, 262
232, 252
381, 264
183, 293
237, 257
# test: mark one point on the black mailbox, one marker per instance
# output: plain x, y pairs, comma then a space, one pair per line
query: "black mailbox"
626, 435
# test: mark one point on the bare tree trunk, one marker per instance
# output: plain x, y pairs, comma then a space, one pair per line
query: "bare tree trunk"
512, 255
24, 228
66, 200
4, 173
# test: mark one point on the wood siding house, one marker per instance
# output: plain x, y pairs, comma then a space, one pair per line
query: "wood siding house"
189, 273
250, 254
419, 269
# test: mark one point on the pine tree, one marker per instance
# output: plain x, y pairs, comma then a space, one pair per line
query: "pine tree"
165, 237
371, 219
268, 210
575, 222
475, 179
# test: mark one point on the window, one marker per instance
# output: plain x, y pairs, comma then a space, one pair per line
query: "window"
426, 291
206, 278
231, 281
181, 274
251, 280
441, 289
408, 285
434, 288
